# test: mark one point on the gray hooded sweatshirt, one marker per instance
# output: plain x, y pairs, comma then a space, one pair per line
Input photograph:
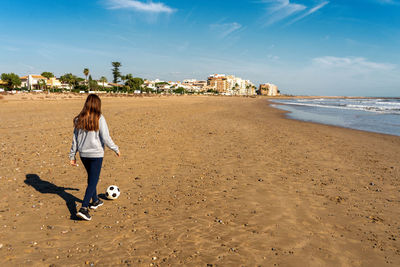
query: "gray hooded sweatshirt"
90, 144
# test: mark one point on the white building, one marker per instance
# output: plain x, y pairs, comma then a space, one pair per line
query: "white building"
189, 81
193, 85
268, 89
238, 86
32, 81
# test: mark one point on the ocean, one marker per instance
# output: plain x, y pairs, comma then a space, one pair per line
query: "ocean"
380, 115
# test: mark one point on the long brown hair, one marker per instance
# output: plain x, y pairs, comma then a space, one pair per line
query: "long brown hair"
89, 117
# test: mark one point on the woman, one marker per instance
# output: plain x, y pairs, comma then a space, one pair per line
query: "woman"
90, 136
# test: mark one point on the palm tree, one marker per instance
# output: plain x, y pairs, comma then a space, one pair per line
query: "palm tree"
254, 88
41, 83
103, 80
236, 88
124, 78
129, 80
247, 89
86, 72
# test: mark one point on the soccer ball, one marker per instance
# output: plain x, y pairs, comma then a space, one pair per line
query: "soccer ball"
112, 192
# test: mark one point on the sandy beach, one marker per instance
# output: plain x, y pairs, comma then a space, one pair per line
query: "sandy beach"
205, 181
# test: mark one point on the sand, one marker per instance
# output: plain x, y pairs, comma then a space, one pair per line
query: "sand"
221, 181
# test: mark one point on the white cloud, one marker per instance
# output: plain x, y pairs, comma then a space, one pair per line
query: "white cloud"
149, 6
309, 12
278, 10
225, 29
355, 63
329, 75
281, 9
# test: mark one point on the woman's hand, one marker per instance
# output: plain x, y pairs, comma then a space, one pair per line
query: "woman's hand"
73, 163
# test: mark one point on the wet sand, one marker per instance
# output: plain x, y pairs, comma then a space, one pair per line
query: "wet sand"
205, 180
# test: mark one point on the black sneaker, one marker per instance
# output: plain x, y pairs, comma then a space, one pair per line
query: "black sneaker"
83, 213
96, 204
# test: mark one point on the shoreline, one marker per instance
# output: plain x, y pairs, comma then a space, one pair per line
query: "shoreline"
287, 116
330, 115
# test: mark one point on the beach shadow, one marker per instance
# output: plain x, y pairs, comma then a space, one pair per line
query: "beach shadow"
46, 187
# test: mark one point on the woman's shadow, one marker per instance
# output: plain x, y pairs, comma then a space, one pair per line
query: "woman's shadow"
46, 187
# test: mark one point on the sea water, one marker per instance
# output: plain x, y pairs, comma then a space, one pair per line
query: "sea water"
381, 115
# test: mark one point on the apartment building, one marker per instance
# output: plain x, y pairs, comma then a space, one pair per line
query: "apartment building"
219, 82
268, 89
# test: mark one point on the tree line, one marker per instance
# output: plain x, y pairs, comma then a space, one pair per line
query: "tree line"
75, 83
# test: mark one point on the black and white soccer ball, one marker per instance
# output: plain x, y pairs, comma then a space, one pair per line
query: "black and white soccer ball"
112, 192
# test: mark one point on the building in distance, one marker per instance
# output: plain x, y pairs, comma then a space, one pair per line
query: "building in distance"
268, 89
33, 82
37, 82
218, 82
193, 85
230, 85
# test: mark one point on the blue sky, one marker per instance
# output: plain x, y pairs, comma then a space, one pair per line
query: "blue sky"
311, 47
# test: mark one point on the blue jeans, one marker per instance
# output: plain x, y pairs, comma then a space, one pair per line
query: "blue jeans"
93, 168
